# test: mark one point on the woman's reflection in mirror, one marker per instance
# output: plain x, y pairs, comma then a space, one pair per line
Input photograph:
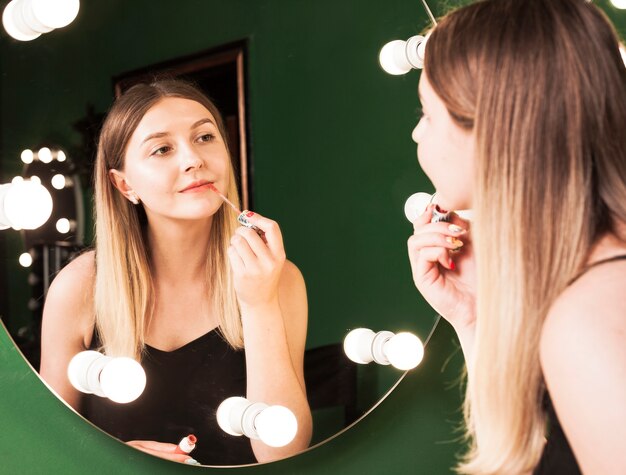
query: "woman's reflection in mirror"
208, 307
524, 111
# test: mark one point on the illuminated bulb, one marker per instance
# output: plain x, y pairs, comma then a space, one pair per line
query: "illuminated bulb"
404, 350
61, 156
55, 14
275, 426
27, 156
621, 4
14, 22
24, 205
121, 379
17, 179
58, 181
45, 155
35, 179
399, 57
416, 205
63, 225
26, 259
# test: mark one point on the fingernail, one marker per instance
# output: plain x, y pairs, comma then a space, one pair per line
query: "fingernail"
454, 241
249, 214
452, 265
439, 210
191, 461
456, 229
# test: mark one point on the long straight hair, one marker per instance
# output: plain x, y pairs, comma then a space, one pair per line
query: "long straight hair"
543, 86
124, 289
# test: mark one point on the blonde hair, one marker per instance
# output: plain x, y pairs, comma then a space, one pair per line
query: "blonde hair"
124, 290
542, 84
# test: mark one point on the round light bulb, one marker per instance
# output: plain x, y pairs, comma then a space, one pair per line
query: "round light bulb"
416, 205
55, 14
393, 58
276, 426
14, 24
27, 205
45, 155
358, 344
404, 351
621, 4
123, 380
17, 179
27, 156
58, 181
26, 259
61, 157
35, 179
63, 225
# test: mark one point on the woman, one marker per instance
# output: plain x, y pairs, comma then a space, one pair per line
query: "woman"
524, 104
210, 309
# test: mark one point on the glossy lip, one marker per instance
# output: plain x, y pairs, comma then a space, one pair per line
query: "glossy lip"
196, 186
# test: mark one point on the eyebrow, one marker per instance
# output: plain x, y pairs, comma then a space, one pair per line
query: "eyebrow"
195, 125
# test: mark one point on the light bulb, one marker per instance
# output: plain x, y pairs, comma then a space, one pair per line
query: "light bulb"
621, 4
27, 156
122, 380
25, 259
63, 225
24, 205
61, 156
35, 179
392, 58
275, 426
45, 155
416, 205
404, 351
17, 179
14, 24
399, 57
58, 181
55, 14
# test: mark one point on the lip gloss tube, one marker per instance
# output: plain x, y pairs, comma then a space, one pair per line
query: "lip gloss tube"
186, 444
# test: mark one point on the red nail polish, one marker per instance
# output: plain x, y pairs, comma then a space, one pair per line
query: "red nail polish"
249, 214
452, 265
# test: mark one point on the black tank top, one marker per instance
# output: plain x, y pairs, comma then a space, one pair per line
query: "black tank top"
557, 457
184, 387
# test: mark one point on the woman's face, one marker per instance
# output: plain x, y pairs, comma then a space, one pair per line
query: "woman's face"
445, 151
174, 152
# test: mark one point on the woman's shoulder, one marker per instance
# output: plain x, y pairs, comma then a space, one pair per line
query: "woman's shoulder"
69, 301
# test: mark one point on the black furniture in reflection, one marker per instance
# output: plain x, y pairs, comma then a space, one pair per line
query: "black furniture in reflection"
331, 381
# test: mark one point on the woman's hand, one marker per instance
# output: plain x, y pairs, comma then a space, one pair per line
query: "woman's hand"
256, 264
163, 450
443, 268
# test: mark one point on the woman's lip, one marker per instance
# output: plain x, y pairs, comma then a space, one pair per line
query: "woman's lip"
197, 189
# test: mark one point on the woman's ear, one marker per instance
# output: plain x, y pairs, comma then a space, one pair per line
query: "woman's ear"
119, 181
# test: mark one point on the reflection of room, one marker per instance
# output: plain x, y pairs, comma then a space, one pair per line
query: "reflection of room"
328, 137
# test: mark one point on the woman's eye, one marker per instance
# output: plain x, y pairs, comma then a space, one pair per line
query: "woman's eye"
206, 138
161, 150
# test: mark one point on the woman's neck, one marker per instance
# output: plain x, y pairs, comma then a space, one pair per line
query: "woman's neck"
179, 250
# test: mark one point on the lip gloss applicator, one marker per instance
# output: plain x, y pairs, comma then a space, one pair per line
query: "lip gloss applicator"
241, 215
186, 444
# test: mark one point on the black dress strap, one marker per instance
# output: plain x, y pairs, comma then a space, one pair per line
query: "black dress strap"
591, 266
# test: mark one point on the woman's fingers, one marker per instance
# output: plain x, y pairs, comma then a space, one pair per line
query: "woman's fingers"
272, 233
160, 449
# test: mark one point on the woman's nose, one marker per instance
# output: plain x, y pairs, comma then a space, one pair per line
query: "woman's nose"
190, 160
416, 135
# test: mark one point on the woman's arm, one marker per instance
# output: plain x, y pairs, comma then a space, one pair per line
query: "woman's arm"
583, 357
272, 298
67, 324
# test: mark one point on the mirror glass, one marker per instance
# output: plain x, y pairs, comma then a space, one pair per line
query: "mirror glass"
327, 139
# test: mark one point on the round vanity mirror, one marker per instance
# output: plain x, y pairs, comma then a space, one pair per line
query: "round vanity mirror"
320, 138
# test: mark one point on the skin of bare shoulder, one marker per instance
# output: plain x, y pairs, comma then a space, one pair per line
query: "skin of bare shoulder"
583, 358
67, 325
